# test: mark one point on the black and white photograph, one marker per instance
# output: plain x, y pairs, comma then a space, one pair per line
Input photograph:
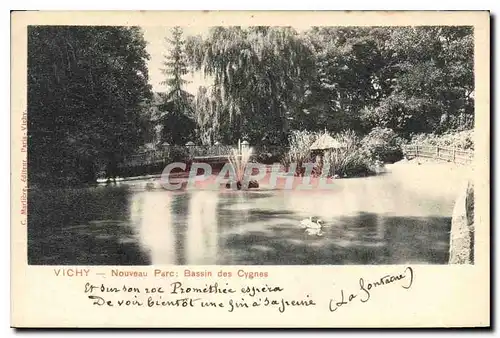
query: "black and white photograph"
250, 145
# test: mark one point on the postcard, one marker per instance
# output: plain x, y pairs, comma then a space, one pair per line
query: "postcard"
220, 169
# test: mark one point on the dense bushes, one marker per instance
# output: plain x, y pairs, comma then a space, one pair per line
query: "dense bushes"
179, 154
351, 159
299, 143
269, 154
460, 140
383, 144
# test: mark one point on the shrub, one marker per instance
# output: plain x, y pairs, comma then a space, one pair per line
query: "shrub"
461, 140
350, 159
179, 154
300, 141
270, 154
383, 144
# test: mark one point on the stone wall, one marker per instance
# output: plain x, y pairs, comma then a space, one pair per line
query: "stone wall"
462, 228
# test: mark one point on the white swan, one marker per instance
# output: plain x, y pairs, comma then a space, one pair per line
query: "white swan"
312, 227
316, 232
306, 223
309, 223
315, 225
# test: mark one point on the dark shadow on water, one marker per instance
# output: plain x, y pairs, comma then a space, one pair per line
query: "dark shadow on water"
363, 239
70, 228
257, 215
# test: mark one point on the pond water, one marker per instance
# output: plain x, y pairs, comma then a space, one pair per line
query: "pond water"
374, 220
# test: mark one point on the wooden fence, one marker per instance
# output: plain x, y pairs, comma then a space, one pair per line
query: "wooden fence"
454, 155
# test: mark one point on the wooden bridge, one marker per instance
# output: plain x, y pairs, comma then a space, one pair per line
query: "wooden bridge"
454, 155
154, 161
176, 153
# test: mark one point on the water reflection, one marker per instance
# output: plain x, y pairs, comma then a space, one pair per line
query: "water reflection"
202, 233
82, 227
151, 213
170, 238
367, 221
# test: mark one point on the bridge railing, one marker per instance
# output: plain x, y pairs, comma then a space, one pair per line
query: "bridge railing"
448, 154
171, 153
175, 153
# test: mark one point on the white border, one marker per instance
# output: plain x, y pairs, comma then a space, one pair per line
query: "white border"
494, 6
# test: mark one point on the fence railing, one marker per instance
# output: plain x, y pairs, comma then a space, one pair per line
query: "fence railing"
454, 155
172, 152
183, 152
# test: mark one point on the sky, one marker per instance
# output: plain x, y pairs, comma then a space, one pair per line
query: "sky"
157, 47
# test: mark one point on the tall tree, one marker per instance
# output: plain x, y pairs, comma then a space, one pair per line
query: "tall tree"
259, 75
350, 73
432, 89
269, 80
177, 104
86, 89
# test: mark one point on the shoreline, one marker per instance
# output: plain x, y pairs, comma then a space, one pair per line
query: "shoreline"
413, 168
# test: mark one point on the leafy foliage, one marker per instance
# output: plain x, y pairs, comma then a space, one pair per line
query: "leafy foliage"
90, 105
299, 151
349, 160
433, 86
86, 92
178, 125
257, 72
271, 80
383, 144
460, 140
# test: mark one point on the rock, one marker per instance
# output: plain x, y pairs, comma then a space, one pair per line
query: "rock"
251, 185
462, 228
